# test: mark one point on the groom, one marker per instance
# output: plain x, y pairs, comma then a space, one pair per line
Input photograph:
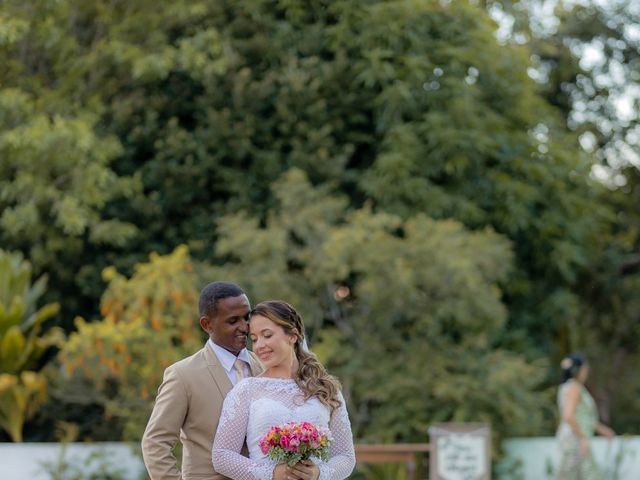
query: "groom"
190, 398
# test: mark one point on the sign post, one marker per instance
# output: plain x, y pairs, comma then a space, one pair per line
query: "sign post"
460, 451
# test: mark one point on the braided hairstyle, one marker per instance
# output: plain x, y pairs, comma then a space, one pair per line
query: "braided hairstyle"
312, 378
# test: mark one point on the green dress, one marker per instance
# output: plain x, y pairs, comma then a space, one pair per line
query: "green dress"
573, 465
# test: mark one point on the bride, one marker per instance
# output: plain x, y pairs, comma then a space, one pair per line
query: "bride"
294, 387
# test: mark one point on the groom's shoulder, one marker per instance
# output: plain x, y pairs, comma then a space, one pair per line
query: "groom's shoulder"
188, 363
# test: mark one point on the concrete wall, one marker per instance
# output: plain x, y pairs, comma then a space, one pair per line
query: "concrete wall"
618, 459
537, 457
33, 461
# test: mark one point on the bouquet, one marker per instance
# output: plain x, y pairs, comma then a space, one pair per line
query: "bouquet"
293, 442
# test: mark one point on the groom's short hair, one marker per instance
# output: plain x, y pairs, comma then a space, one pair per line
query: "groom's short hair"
215, 291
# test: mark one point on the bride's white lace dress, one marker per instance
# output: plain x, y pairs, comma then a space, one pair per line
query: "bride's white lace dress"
255, 405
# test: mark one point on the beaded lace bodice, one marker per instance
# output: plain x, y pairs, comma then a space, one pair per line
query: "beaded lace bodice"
255, 405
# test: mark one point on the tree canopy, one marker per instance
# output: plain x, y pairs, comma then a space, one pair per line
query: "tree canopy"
332, 145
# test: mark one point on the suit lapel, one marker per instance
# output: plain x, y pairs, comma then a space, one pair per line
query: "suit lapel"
217, 371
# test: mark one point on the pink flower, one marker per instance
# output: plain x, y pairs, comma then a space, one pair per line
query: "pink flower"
264, 446
287, 442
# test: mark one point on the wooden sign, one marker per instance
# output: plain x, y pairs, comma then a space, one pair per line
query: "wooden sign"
460, 451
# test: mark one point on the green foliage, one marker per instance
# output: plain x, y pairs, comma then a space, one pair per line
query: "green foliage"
608, 323
586, 65
134, 127
412, 104
148, 323
56, 176
280, 455
406, 312
472, 141
591, 57
20, 397
55, 183
22, 343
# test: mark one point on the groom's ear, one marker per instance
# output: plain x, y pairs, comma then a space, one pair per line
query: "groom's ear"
205, 323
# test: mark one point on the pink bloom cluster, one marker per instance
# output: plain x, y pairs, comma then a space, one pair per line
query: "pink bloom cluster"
300, 439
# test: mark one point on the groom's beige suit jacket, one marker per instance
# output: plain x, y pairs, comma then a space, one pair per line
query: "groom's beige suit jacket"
188, 404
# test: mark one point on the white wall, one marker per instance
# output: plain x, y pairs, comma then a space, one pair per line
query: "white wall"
538, 455
24, 461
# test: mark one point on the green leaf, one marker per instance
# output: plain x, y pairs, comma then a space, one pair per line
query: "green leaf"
12, 347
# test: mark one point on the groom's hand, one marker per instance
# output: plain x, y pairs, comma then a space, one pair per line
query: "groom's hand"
305, 470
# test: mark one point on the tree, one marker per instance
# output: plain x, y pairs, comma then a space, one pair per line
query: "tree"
471, 140
585, 57
55, 174
22, 343
592, 57
404, 311
55, 183
410, 107
148, 322
413, 104
608, 327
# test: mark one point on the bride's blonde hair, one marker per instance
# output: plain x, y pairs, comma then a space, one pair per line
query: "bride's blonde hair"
312, 378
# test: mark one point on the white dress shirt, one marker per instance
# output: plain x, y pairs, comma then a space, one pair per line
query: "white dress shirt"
227, 359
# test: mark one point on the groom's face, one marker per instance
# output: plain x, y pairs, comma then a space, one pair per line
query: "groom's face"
228, 327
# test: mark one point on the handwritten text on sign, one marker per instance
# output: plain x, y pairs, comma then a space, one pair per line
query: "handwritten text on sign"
461, 456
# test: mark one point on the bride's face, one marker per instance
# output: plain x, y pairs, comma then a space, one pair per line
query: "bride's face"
271, 344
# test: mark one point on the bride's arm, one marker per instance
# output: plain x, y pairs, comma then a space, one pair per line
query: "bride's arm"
230, 437
342, 457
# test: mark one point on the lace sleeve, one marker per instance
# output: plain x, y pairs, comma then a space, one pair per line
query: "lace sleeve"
230, 437
342, 457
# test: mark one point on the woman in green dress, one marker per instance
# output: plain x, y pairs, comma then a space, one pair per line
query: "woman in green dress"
578, 424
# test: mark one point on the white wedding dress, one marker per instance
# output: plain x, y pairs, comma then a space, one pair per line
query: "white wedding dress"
255, 405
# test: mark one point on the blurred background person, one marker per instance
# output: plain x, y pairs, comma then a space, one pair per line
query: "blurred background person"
578, 422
